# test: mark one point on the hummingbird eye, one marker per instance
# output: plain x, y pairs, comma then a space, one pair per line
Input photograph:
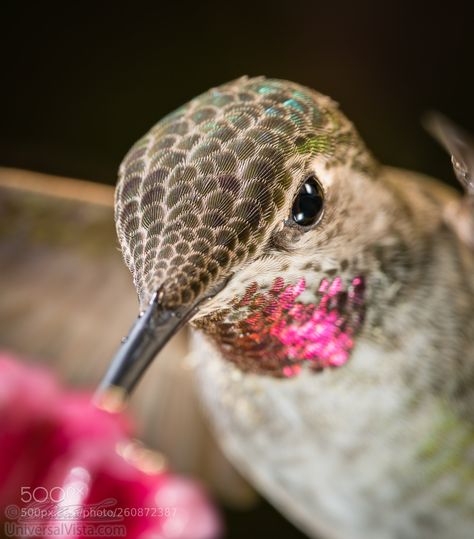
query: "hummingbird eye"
308, 205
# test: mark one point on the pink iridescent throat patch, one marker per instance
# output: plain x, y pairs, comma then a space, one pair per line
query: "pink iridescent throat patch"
278, 334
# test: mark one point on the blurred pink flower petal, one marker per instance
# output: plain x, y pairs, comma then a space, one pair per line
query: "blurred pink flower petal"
67, 468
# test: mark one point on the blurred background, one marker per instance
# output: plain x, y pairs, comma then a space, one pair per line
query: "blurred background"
80, 84
83, 81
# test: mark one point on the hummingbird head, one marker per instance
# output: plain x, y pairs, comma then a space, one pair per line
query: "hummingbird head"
247, 210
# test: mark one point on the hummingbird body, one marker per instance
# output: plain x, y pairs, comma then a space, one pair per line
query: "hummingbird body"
385, 451
333, 307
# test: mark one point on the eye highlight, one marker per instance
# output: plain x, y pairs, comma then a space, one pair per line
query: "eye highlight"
309, 203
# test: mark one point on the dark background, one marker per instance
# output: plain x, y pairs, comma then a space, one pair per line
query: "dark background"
80, 83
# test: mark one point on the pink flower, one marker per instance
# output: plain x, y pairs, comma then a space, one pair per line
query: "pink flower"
68, 468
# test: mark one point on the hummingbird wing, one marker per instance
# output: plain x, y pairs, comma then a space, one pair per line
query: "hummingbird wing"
67, 299
460, 146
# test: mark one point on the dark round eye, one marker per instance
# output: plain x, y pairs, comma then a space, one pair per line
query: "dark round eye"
308, 205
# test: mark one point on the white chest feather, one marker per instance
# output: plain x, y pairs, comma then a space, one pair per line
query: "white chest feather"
340, 454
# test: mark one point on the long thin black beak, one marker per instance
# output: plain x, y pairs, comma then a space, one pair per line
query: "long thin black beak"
150, 333
153, 329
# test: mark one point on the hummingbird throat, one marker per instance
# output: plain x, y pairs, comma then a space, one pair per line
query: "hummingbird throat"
272, 331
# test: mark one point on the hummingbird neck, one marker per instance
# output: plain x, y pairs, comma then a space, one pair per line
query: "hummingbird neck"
272, 332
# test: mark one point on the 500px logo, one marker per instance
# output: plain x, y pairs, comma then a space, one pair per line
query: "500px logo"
51, 495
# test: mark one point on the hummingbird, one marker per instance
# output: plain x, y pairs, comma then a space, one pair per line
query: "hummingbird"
331, 301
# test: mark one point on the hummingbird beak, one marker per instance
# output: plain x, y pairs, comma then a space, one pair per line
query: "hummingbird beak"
151, 332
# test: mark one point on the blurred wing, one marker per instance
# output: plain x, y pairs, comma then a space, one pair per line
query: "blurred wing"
458, 143
67, 299
460, 146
